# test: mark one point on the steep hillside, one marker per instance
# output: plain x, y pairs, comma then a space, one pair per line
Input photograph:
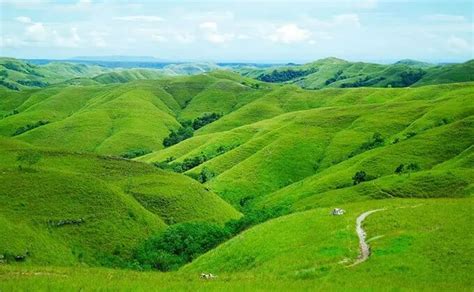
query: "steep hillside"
368, 130
93, 209
103, 118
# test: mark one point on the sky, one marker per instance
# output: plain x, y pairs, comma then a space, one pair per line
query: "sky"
240, 31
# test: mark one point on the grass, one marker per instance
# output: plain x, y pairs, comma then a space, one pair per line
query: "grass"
82, 207
416, 244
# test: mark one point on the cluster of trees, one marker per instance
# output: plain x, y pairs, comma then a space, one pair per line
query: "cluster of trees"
375, 141
179, 244
205, 119
361, 176
183, 242
192, 162
13, 112
188, 127
408, 78
363, 82
33, 83
177, 136
204, 175
9, 85
29, 127
135, 153
338, 76
285, 75
411, 167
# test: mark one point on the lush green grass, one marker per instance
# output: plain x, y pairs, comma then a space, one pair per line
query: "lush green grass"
416, 244
277, 148
114, 203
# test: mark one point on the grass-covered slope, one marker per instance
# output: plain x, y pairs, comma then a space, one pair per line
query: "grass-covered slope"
299, 152
417, 244
119, 118
92, 209
17, 74
333, 72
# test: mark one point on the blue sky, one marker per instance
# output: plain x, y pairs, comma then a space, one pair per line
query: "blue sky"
257, 31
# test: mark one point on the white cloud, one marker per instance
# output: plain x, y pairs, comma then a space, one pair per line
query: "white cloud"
290, 33
208, 25
458, 45
143, 18
36, 32
23, 19
70, 41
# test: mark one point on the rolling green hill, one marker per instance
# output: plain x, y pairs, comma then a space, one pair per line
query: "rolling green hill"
16, 74
99, 170
333, 72
94, 209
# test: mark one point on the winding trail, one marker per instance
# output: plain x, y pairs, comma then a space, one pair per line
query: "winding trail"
364, 247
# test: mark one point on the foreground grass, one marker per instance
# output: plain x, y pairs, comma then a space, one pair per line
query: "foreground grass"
416, 245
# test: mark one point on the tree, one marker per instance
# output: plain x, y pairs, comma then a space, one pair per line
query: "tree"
400, 169
413, 167
29, 158
359, 177
179, 244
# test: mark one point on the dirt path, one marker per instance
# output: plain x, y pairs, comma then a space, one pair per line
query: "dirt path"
364, 247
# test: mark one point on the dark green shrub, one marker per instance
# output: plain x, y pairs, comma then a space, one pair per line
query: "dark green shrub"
135, 153
179, 244
29, 127
175, 137
205, 119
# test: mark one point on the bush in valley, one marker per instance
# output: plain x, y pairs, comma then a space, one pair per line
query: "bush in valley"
400, 169
375, 141
361, 176
408, 78
135, 153
338, 76
187, 128
192, 162
33, 83
13, 112
29, 127
205, 119
204, 176
285, 75
9, 85
179, 244
411, 167
177, 136
28, 158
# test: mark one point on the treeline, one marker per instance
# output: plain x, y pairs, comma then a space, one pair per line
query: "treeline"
188, 127
285, 75
191, 162
29, 127
181, 243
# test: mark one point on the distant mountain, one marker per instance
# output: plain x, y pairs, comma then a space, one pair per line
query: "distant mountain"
334, 72
119, 58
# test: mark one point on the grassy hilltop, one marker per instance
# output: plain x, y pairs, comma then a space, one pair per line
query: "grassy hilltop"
106, 173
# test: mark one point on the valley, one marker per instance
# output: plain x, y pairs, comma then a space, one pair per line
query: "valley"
141, 179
